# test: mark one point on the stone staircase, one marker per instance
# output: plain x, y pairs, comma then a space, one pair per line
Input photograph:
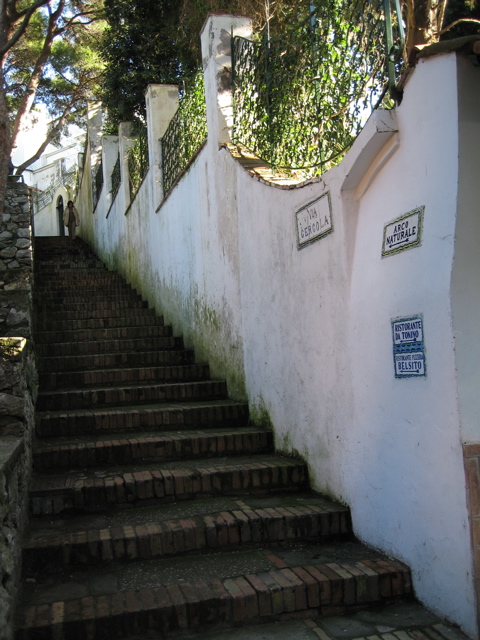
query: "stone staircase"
157, 509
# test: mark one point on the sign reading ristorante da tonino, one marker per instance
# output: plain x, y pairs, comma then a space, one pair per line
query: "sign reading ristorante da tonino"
409, 347
403, 233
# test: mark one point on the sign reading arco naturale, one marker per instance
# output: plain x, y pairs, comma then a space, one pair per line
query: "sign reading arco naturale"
403, 233
314, 220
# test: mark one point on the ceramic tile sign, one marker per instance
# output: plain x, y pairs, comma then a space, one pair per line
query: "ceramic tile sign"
314, 220
403, 233
409, 347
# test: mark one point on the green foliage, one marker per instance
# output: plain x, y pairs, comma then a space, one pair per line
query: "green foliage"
302, 97
140, 47
158, 41
55, 60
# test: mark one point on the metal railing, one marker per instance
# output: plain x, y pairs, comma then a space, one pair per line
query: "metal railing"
46, 196
116, 178
137, 161
186, 132
301, 99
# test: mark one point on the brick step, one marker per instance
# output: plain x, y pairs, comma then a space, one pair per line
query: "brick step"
88, 309
96, 316
103, 333
79, 276
132, 359
154, 417
129, 448
77, 298
70, 289
187, 528
79, 280
108, 346
155, 483
124, 395
211, 592
139, 375
136, 318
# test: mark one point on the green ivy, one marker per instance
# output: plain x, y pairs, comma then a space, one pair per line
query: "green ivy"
301, 99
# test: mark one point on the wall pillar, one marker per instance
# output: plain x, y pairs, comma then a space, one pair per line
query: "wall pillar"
217, 66
94, 125
162, 103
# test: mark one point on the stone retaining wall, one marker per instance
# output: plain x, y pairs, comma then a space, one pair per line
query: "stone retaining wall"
18, 385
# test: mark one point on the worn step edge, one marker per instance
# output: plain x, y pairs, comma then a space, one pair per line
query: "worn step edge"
144, 331
130, 359
329, 589
125, 395
162, 418
133, 448
131, 375
149, 318
178, 536
103, 346
155, 486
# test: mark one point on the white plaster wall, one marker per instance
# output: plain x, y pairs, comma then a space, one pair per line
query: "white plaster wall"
306, 335
46, 221
403, 465
465, 277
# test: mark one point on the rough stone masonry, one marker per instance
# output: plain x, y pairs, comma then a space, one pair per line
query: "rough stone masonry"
18, 383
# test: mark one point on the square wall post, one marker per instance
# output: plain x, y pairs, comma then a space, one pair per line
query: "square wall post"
217, 67
162, 103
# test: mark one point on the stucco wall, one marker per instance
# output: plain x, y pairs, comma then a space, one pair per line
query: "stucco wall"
305, 335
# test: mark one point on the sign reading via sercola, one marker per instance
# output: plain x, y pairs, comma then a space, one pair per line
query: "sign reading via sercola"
314, 220
403, 233
409, 347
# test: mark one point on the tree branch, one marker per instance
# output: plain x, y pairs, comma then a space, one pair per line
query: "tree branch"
13, 39
453, 24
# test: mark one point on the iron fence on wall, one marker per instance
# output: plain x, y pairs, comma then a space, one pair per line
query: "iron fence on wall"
301, 99
186, 132
116, 178
97, 184
138, 163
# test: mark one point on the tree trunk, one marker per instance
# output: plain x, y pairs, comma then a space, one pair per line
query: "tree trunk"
5, 143
424, 21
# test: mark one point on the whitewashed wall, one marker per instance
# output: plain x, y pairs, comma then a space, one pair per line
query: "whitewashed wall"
305, 335
47, 221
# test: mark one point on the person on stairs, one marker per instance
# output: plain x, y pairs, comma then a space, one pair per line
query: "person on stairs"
71, 219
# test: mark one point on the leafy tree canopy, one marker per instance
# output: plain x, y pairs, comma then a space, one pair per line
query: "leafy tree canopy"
157, 41
48, 54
